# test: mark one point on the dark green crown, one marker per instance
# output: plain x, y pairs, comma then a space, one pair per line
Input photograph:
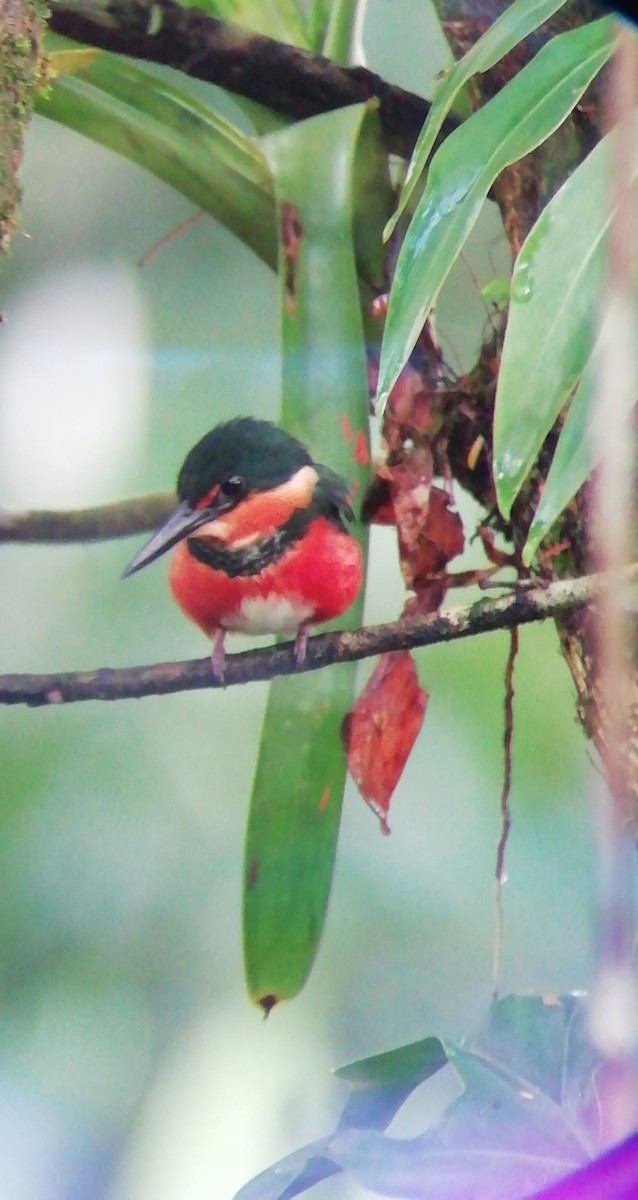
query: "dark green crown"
260, 453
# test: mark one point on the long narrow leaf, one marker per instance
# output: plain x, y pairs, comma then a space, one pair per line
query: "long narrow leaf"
318, 19
514, 24
556, 288
344, 35
178, 139
572, 463
279, 19
296, 803
519, 118
576, 456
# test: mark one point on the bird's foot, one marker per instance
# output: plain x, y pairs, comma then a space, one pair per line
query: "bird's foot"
301, 641
218, 657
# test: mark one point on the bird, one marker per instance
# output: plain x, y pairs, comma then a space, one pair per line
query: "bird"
259, 537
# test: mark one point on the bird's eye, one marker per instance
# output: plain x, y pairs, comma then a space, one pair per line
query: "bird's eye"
232, 487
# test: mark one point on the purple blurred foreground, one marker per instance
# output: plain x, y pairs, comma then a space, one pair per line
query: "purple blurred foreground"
613, 1176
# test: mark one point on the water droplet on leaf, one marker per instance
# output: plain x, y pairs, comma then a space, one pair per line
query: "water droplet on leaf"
522, 283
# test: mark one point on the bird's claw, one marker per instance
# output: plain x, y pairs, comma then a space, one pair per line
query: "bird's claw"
218, 657
301, 642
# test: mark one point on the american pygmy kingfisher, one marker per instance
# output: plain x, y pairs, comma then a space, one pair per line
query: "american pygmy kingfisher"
259, 536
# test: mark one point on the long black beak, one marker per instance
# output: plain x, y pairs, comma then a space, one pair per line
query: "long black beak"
183, 520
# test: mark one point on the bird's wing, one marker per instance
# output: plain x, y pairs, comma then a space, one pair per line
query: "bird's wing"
331, 495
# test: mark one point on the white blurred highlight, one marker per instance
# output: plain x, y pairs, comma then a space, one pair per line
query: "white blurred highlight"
613, 1012
234, 1098
73, 388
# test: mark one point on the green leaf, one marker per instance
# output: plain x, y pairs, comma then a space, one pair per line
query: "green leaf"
573, 461
409, 1169
555, 298
318, 19
171, 134
72, 60
519, 118
496, 291
577, 453
343, 40
295, 809
382, 1084
510, 1131
545, 1041
524, 1118
514, 24
529, 1112
291, 1175
279, 19
406, 1066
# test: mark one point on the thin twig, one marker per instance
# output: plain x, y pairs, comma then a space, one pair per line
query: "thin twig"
170, 236
120, 519
506, 815
486, 615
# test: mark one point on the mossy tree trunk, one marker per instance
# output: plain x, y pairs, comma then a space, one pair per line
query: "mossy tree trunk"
21, 23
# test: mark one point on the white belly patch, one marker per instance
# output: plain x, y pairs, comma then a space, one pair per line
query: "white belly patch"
269, 614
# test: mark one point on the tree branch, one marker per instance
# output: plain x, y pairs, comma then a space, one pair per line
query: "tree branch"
280, 76
520, 607
115, 520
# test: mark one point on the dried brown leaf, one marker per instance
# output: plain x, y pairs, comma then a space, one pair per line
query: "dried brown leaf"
381, 729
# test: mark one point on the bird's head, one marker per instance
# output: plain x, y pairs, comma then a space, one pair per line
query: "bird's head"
229, 469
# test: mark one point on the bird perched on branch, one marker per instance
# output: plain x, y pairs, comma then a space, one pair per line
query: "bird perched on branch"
259, 537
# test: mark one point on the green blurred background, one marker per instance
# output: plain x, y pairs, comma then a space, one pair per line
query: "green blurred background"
131, 1063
